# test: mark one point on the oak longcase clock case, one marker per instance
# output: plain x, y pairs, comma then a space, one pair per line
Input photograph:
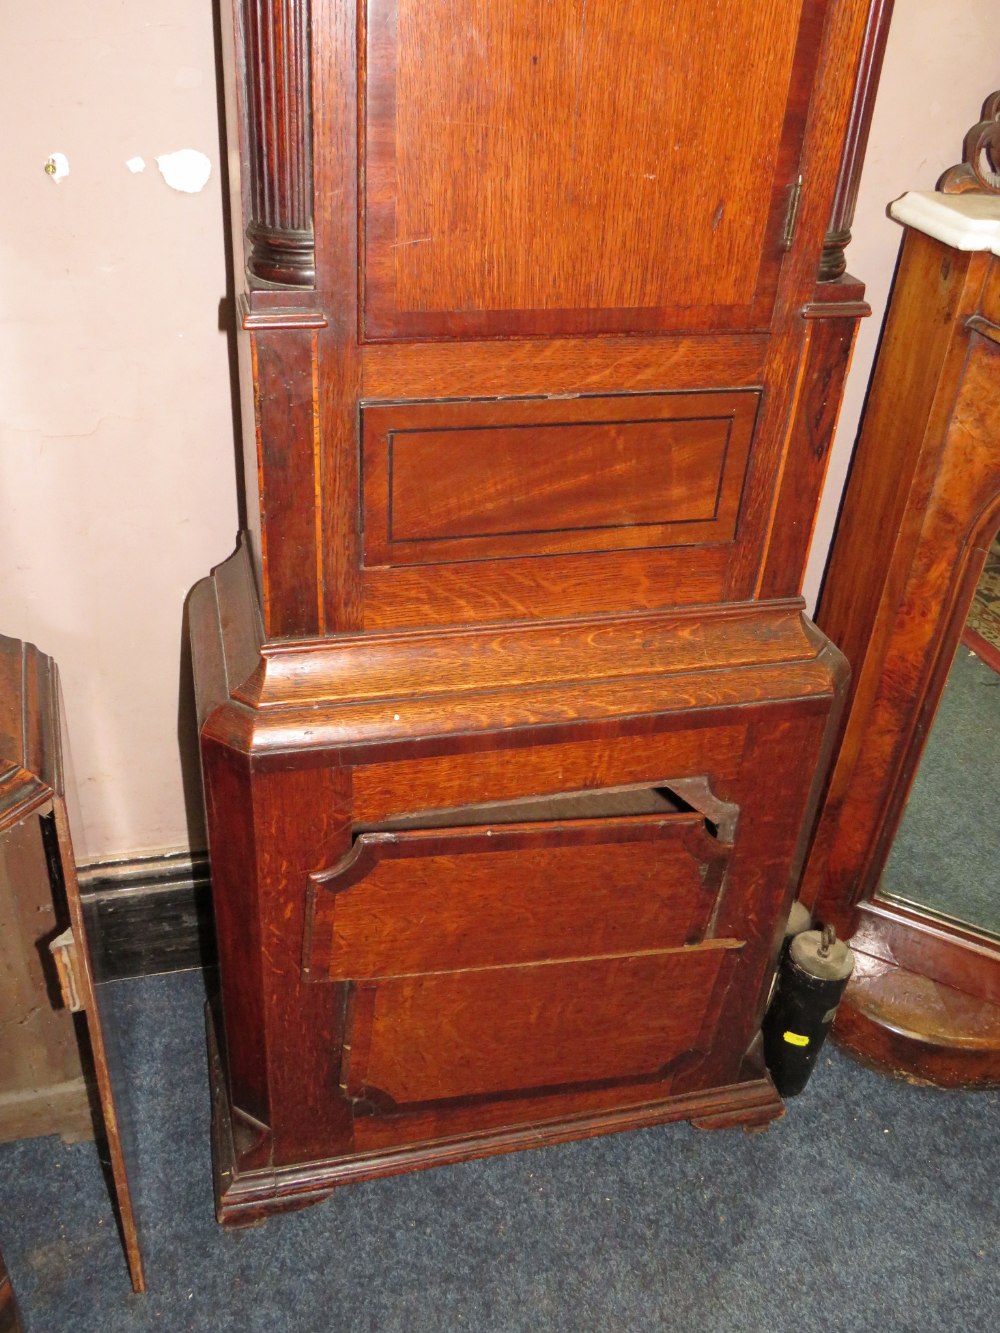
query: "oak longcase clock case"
511, 720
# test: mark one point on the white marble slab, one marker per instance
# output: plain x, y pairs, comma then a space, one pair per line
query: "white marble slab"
963, 221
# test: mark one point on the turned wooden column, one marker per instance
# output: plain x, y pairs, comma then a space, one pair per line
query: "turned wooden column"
834, 313
838, 236
275, 82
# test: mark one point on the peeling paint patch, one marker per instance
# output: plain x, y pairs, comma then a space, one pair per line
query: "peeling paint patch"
186, 170
57, 167
136, 164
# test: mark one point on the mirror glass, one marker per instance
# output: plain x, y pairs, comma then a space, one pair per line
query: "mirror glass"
946, 856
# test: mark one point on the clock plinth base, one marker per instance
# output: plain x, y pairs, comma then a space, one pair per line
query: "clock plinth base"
486, 888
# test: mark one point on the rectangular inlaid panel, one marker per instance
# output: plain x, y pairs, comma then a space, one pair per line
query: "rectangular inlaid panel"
481, 480
422, 901
420, 1039
558, 166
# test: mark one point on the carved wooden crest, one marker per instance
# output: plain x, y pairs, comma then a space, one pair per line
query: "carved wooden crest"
980, 168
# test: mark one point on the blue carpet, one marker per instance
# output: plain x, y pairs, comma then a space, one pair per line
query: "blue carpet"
872, 1205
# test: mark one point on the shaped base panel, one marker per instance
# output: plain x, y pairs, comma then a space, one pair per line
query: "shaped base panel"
250, 1197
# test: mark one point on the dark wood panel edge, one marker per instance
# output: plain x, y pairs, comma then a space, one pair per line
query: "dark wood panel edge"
36, 732
102, 1040
256, 314
149, 915
836, 310
29, 765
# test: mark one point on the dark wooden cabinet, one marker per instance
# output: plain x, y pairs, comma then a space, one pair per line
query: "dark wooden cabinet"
46, 963
921, 511
43, 1089
511, 721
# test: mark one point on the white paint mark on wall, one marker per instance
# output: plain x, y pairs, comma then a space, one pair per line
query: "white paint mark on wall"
57, 167
186, 170
136, 164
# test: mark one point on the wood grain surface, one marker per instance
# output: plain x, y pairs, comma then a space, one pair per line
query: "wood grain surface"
630, 212
552, 1025
426, 900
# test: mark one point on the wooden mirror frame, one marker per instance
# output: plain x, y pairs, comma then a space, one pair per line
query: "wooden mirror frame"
921, 508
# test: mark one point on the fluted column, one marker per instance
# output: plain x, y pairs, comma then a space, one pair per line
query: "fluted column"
280, 242
838, 236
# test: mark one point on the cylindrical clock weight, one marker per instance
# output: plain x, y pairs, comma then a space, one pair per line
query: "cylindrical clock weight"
811, 980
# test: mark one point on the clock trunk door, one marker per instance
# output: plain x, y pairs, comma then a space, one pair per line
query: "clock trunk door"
553, 386
577, 166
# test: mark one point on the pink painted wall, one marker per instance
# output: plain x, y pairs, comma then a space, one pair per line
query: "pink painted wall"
117, 472
942, 59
